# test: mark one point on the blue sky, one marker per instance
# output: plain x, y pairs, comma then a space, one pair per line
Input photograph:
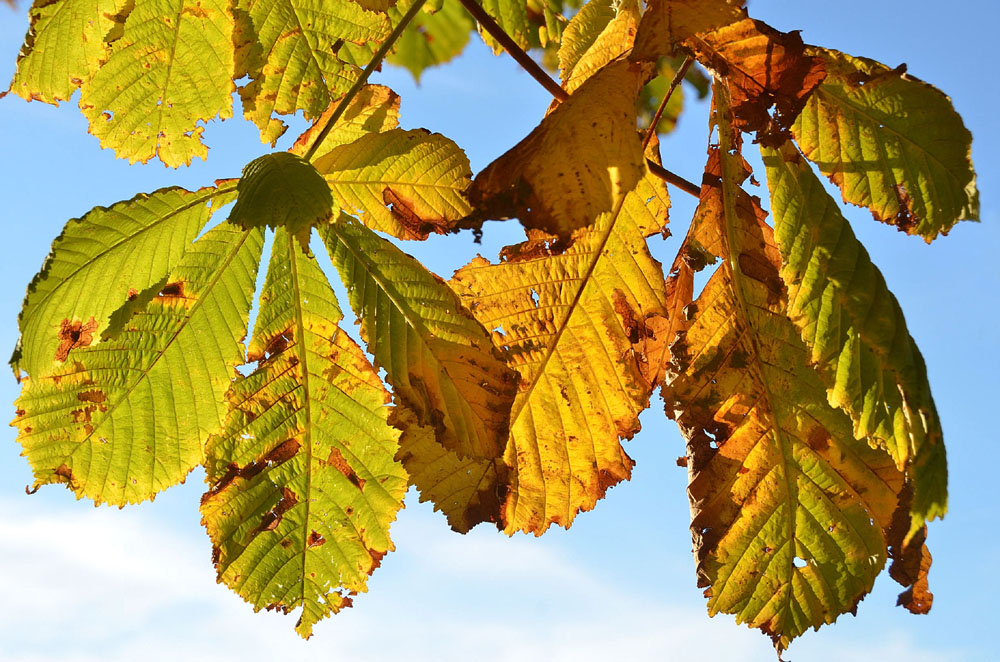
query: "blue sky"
102, 584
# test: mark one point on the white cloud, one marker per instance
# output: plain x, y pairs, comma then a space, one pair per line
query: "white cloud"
105, 586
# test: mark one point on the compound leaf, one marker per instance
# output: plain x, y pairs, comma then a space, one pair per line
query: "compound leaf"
571, 324
128, 417
303, 485
437, 357
892, 143
855, 330
171, 68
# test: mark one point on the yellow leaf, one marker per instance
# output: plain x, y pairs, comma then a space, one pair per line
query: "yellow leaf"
576, 165
572, 324
792, 516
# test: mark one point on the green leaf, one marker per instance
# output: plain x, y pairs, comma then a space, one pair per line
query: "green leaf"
65, 45
289, 50
892, 143
512, 17
303, 481
124, 419
282, 190
432, 38
172, 68
404, 183
100, 260
573, 324
438, 359
855, 330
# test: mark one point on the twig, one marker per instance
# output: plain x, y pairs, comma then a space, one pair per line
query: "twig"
360, 82
515, 51
678, 77
554, 88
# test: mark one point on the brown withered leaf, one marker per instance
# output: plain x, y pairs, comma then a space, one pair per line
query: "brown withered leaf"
764, 68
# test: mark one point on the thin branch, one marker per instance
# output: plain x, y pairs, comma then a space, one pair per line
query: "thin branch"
554, 88
360, 82
671, 178
515, 51
678, 77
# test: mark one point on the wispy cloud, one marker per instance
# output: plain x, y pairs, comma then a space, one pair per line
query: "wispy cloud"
103, 585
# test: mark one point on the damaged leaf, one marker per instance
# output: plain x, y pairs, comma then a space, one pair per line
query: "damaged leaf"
572, 323
171, 69
289, 49
792, 516
88, 273
124, 419
405, 183
302, 481
854, 329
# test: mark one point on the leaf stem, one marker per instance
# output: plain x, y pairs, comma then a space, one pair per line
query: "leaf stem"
555, 89
678, 77
360, 82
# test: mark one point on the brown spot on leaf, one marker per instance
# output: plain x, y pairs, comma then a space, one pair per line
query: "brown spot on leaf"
65, 473
315, 539
173, 290
905, 220
819, 440
337, 461
376, 559
73, 335
402, 210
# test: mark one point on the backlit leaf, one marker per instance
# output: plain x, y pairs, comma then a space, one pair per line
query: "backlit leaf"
91, 269
600, 32
126, 418
438, 359
404, 183
577, 164
171, 68
854, 329
374, 109
792, 517
892, 143
303, 485
287, 47
763, 67
64, 46
468, 491
433, 38
570, 323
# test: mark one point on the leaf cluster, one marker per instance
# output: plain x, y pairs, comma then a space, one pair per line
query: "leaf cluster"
814, 451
